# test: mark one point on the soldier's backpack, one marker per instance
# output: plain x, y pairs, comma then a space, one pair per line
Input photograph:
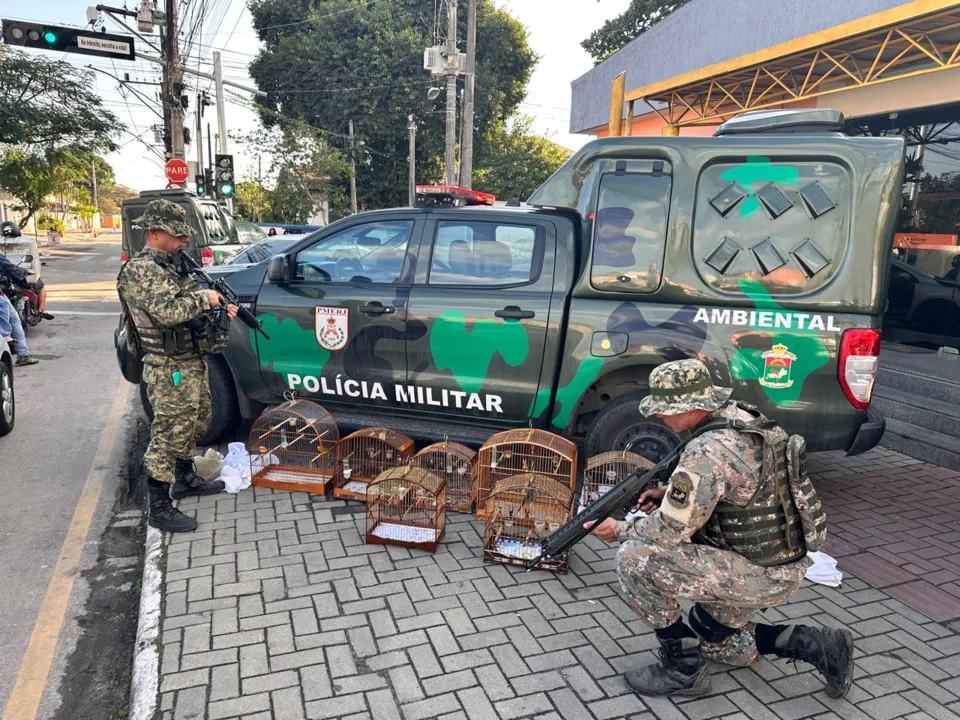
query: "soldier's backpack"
127, 343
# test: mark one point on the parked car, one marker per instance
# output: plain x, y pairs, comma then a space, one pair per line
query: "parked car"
283, 229
763, 251
8, 403
263, 250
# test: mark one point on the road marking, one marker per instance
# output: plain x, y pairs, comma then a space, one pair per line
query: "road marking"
88, 258
35, 666
92, 313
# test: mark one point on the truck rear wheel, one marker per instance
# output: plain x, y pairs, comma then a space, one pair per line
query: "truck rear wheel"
621, 426
223, 395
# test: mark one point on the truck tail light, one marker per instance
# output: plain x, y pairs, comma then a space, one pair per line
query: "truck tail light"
123, 257
206, 257
857, 365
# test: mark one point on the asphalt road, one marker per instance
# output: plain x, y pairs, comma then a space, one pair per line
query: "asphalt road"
47, 472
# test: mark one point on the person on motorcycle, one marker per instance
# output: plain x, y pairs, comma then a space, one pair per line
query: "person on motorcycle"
10, 229
12, 331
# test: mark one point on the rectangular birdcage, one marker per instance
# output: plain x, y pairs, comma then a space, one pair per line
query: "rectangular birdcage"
363, 455
521, 511
406, 506
293, 447
605, 471
454, 463
514, 452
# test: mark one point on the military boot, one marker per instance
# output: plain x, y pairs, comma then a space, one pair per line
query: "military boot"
681, 671
162, 514
189, 483
830, 650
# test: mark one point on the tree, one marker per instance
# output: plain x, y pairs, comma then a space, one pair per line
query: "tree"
325, 62
253, 200
514, 162
636, 20
52, 104
939, 215
112, 196
31, 175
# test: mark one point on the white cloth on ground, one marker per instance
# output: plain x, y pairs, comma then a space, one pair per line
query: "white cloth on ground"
824, 570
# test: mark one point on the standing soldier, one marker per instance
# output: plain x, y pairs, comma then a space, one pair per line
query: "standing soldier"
174, 327
732, 537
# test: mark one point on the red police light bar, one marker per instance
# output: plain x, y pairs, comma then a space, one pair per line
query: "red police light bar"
450, 195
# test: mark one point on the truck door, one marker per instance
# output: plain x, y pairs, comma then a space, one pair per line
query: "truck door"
337, 328
477, 320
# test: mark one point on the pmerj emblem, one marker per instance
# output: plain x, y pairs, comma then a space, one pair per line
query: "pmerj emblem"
777, 363
331, 326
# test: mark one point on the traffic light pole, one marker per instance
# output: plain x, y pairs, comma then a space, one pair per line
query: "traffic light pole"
173, 84
221, 111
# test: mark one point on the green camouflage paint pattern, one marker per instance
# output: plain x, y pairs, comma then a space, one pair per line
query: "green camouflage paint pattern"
467, 353
290, 349
759, 169
807, 345
569, 394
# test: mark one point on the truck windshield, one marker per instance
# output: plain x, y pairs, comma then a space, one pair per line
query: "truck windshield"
630, 230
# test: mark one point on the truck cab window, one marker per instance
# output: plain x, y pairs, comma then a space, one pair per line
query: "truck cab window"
630, 231
484, 253
368, 253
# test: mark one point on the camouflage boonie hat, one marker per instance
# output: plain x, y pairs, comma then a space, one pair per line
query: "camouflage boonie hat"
164, 215
681, 386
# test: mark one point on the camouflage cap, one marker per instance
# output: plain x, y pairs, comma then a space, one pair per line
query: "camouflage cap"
164, 215
681, 386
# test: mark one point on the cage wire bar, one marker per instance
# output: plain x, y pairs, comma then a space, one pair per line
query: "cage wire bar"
454, 463
363, 455
406, 506
519, 451
293, 447
522, 510
606, 470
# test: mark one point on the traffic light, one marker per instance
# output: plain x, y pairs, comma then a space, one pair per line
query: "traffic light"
208, 182
225, 181
201, 185
61, 38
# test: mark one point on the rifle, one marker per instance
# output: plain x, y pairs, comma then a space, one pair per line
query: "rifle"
620, 499
188, 264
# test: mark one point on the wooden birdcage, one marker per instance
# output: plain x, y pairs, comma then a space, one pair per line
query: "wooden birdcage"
406, 506
606, 470
293, 447
363, 455
521, 511
454, 463
514, 452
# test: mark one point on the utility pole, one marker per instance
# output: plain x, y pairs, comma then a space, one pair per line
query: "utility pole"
221, 110
450, 155
412, 190
173, 84
209, 148
93, 173
466, 146
353, 170
200, 133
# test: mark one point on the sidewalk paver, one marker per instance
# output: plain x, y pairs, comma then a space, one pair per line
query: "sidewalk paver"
277, 609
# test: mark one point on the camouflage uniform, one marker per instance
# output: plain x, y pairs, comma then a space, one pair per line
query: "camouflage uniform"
181, 411
657, 563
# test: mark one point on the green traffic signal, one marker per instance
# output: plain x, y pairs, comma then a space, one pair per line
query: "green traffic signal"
226, 189
50, 36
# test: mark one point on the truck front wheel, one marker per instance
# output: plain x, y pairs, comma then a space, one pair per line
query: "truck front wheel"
223, 395
621, 426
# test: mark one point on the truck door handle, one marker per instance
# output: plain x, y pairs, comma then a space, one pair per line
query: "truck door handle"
515, 313
376, 308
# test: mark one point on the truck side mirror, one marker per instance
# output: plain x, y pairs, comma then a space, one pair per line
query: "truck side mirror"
278, 271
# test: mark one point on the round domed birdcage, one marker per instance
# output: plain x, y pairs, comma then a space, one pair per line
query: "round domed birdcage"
521, 511
363, 455
606, 470
514, 452
454, 463
293, 447
406, 506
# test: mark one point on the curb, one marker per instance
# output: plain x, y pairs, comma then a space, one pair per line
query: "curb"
146, 657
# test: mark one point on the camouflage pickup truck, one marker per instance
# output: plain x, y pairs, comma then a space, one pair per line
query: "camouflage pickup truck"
764, 251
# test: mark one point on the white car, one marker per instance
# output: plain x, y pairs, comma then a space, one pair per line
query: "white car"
8, 409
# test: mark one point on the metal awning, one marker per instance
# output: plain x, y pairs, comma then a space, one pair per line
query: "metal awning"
914, 39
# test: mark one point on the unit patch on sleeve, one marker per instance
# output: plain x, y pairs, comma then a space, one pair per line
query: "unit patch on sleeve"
680, 490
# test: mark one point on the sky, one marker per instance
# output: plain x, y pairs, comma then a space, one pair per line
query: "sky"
555, 28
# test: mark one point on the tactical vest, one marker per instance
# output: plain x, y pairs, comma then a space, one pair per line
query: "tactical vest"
191, 339
769, 529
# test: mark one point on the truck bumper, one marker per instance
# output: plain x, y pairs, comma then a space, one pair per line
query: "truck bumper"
869, 434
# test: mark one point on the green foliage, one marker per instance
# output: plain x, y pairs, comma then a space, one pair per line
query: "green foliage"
289, 201
938, 215
366, 64
51, 103
49, 222
636, 20
513, 162
252, 201
31, 175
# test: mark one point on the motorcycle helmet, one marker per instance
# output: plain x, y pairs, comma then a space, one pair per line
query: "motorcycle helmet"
10, 229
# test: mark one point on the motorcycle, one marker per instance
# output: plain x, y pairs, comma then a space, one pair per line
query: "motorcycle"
24, 300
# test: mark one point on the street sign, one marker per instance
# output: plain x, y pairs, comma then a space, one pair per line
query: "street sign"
177, 171
61, 38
